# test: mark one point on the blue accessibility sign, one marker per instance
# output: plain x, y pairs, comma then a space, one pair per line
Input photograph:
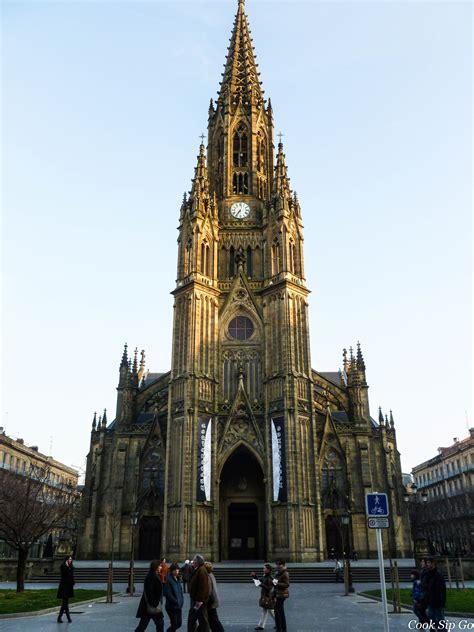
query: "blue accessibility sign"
377, 505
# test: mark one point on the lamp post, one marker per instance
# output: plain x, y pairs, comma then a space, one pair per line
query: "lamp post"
133, 525
420, 544
346, 519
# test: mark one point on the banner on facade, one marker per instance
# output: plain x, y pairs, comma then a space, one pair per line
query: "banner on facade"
279, 460
204, 459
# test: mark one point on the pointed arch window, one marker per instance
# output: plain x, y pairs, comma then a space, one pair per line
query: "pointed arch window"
231, 262
249, 262
333, 488
293, 261
220, 165
276, 260
261, 152
188, 257
240, 183
240, 147
205, 259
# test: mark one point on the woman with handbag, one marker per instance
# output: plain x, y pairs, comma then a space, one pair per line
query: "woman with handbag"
150, 606
266, 601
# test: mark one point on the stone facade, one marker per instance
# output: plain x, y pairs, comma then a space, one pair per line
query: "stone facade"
24, 460
242, 450
445, 518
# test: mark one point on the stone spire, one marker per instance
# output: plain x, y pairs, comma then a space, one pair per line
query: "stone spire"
240, 80
94, 422
200, 180
281, 181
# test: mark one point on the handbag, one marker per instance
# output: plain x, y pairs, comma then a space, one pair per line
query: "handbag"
153, 611
268, 602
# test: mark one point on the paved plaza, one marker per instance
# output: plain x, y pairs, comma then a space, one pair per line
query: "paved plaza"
310, 608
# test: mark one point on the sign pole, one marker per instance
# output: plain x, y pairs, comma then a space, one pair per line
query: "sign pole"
378, 534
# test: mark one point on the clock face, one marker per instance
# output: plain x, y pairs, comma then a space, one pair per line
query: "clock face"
240, 210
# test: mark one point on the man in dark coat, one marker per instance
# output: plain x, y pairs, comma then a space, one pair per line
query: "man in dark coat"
186, 572
435, 593
66, 588
152, 591
173, 592
281, 583
199, 591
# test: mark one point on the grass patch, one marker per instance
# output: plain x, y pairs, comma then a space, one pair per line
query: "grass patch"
456, 600
12, 602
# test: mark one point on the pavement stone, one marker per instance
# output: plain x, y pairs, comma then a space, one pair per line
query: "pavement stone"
310, 608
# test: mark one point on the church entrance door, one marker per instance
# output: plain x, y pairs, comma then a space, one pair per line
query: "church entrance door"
334, 544
149, 538
243, 531
242, 507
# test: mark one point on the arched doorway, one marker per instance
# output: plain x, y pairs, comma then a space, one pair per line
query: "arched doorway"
334, 544
242, 507
149, 538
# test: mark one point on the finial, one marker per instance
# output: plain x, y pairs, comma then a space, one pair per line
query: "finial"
124, 356
202, 139
392, 423
135, 361
94, 421
141, 370
360, 358
380, 416
100, 423
386, 420
104, 418
280, 136
344, 358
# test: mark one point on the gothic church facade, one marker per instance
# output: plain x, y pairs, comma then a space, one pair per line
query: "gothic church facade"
241, 450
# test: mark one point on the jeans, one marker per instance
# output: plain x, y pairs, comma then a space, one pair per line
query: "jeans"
280, 618
264, 617
436, 615
176, 620
420, 611
145, 620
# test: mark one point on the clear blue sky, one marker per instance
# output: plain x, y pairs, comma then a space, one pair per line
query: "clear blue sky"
103, 105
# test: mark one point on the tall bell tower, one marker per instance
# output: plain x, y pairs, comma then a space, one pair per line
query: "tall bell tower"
241, 465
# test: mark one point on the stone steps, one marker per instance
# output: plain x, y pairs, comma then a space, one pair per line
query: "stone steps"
90, 575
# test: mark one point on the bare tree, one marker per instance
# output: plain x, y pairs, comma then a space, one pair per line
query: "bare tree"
31, 506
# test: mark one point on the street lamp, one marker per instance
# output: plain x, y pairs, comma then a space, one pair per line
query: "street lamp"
419, 539
133, 525
346, 519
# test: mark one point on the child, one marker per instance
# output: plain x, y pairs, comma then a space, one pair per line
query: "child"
418, 597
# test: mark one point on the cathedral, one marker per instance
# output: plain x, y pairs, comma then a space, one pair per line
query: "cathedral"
241, 450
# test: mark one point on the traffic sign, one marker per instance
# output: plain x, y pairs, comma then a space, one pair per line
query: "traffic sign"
377, 523
376, 505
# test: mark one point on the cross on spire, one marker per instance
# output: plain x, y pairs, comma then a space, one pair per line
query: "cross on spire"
202, 139
280, 136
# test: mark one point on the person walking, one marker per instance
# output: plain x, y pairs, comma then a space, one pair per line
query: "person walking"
186, 572
199, 592
66, 588
173, 592
149, 607
435, 594
418, 597
339, 570
281, 583
266, 601
164, 570
213, 602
